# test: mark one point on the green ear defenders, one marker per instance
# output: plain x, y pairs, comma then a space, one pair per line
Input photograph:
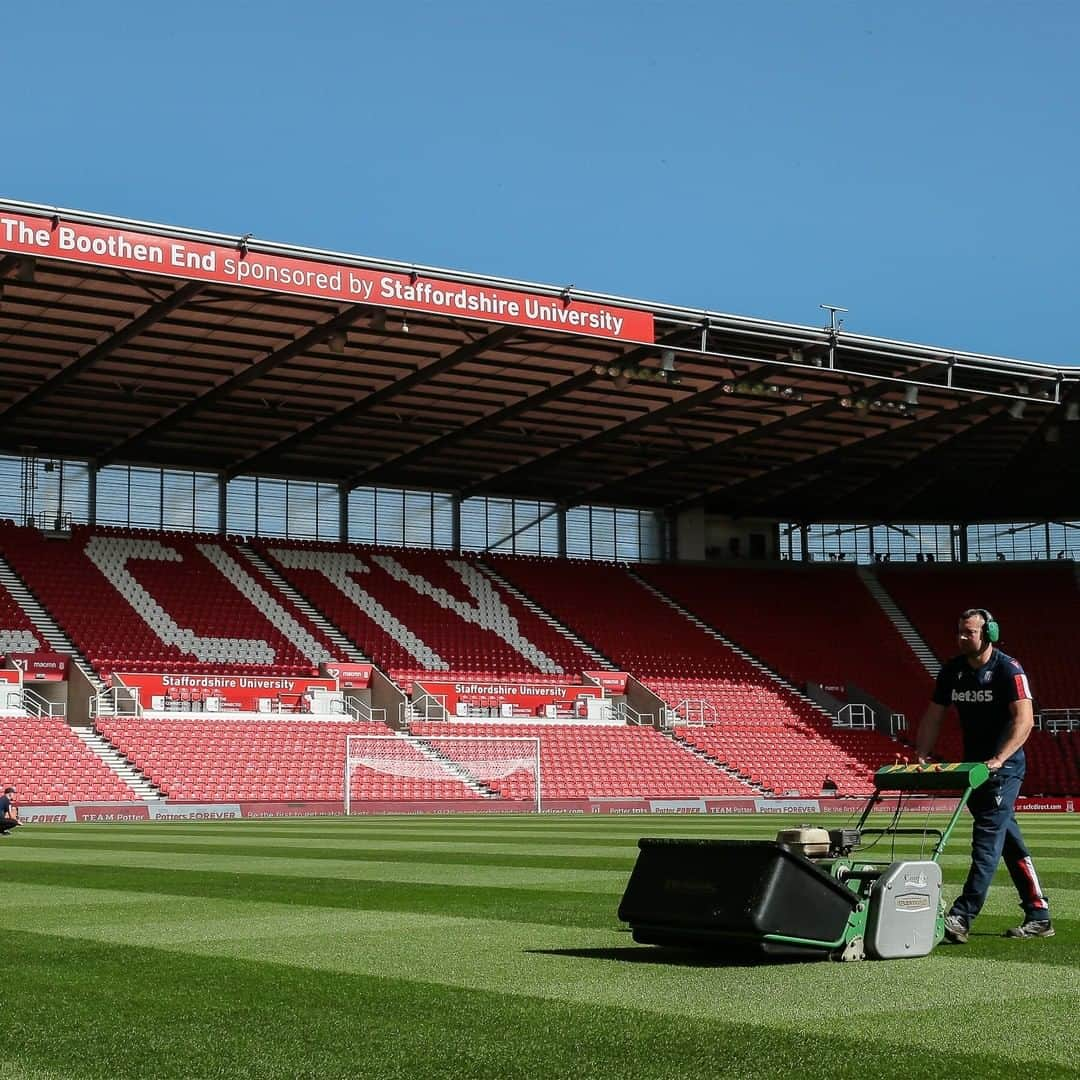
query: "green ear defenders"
990, 626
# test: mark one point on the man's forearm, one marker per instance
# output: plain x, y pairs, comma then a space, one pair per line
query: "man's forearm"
929, 730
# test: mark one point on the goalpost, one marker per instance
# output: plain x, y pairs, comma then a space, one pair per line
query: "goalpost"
496, 767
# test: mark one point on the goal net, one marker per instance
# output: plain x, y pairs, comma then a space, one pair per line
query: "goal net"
441, 768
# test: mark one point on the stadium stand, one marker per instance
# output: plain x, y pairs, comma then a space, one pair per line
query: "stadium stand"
810, 623
683, 663
424, 612
175, 602
192, 604
215, 760
591, 761
49, 764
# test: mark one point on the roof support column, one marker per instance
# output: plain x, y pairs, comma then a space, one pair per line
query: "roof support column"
455, 524
91, 493
804, 541
343, 513
962, 542
222, 504
560, 531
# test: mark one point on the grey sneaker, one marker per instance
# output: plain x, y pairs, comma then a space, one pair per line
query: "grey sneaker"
1031, 928
956, 930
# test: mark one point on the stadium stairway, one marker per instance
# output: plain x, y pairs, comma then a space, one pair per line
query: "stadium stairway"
100, 747
603, 663
456, 770
345, 645
710, 759
56, 639
902, 623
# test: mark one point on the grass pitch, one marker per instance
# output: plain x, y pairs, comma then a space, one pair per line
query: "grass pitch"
485, 946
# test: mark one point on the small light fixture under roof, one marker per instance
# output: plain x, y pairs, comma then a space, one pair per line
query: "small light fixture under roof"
337, 341
911, 395
1016, 409
1072, 411
667, 360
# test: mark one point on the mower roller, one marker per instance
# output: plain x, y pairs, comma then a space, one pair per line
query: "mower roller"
806, 894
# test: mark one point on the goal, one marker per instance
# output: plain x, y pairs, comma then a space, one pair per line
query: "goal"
442, 768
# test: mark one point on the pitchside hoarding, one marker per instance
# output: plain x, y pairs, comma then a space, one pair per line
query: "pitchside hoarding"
179, 811
127, 249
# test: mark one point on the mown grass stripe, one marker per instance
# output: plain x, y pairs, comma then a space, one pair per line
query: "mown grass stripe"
427, 854
257, 1019
557, 907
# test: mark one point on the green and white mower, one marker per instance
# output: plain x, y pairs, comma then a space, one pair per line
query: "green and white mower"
808, 894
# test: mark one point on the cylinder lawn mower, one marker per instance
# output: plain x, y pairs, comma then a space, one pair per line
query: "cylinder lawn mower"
806, 894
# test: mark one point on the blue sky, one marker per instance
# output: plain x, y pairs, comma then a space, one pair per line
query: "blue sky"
917, 163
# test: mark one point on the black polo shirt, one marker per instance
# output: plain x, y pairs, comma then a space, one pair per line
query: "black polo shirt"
982, 697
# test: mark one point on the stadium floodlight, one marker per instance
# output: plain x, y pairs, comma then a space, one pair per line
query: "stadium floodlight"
477, 768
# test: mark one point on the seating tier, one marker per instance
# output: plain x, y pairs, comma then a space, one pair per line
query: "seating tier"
425, 612
48, 763
225, 760
173, 602
811, 624
580, 761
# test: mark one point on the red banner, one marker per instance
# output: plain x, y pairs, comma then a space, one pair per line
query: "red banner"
614, 682
12, 678
245, 693
42, 666
349, 676
194, 260
522, 697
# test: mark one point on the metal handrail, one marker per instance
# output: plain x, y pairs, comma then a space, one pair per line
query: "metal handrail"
36, 705
855, 716
695, 712
109, 703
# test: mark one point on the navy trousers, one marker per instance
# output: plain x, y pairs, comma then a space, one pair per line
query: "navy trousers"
996, 835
